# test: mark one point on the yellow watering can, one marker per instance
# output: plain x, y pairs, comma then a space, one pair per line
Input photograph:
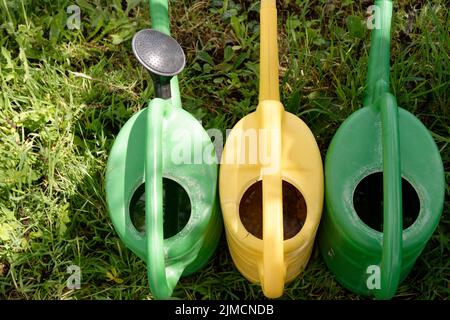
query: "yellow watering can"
270, 181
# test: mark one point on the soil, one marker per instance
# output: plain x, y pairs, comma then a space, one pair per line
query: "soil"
294, 210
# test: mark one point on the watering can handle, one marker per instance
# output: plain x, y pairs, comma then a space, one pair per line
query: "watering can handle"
379, 98
273, 269
162, 278
391, 260
159, 14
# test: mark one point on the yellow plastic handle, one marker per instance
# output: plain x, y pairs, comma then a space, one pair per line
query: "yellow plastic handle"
268, 67
273, 273
274, 269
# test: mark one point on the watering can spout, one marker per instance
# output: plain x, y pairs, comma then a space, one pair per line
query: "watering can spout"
161, 55
268, 79
379, 57
159, 14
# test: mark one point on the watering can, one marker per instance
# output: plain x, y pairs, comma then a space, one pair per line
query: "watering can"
384, 186
270, 181
161, 196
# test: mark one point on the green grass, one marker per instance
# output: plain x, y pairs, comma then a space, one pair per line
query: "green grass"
66, 93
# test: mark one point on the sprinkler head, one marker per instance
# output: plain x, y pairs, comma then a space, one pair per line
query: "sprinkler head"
161, 55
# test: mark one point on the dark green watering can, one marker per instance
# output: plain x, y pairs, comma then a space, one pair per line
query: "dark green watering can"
162, 171
384, 185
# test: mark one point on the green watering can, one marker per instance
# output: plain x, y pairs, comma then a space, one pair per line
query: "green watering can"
384, 185
161, 195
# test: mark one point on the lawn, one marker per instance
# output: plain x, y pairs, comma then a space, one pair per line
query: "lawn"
66, 93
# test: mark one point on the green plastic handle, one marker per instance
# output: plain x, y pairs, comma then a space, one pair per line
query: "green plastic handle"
159, 14
379, 97
391, 260
162, 278
156, 267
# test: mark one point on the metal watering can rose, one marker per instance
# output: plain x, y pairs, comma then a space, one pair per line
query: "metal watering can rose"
163, 210
384, 187
270, 181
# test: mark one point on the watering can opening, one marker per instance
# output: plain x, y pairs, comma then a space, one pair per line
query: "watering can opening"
294, 210
176, 208
368, 201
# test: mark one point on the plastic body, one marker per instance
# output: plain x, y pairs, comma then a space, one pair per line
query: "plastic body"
143, 153
295, 158
379, 138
